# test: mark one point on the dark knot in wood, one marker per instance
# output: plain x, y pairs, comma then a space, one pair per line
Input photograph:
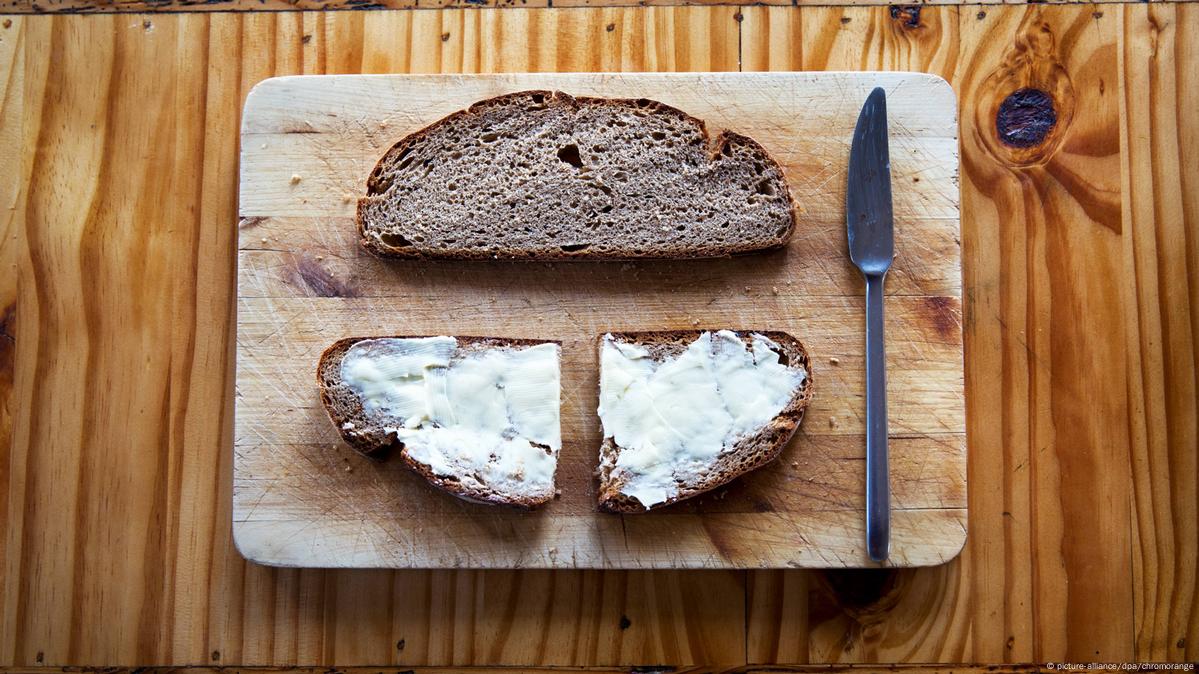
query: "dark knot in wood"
862, 592
908, 16
1025, 118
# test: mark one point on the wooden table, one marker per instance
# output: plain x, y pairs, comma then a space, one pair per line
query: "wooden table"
1080, 251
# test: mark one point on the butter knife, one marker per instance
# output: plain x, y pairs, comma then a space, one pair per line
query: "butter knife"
871, 247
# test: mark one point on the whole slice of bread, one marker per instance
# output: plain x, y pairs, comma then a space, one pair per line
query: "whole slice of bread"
746, 454
367, 434
544, 175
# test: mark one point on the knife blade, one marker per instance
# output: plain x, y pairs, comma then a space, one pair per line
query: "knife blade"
871, 234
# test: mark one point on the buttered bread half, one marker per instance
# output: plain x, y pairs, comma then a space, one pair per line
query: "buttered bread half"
684, 412
476, 416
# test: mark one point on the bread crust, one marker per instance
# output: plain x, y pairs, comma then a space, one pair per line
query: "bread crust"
715, 146
762, 448
375, 443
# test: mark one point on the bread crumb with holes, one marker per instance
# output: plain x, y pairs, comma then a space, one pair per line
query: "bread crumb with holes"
637, 141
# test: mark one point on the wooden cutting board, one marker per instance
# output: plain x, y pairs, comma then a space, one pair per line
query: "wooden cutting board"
302, 498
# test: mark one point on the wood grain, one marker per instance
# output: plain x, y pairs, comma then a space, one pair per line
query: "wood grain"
118, 542
868, 616
205, 605
1041, 256
1158, 59
166, 6
13, 174
1047, 231
502, 669
302, 498
155, 6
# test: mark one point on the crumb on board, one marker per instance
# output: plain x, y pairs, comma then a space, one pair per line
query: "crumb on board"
795, 464
347, 198
774, 289
832, 422
295, 178
383, 124
553, 551
834, 361
264, 240
746, 288
264, 146
349, 468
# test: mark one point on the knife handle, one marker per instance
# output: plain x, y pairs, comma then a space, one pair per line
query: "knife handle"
878, 489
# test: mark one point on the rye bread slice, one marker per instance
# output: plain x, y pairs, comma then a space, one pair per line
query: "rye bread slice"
747, 454
367, 435
544, 175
